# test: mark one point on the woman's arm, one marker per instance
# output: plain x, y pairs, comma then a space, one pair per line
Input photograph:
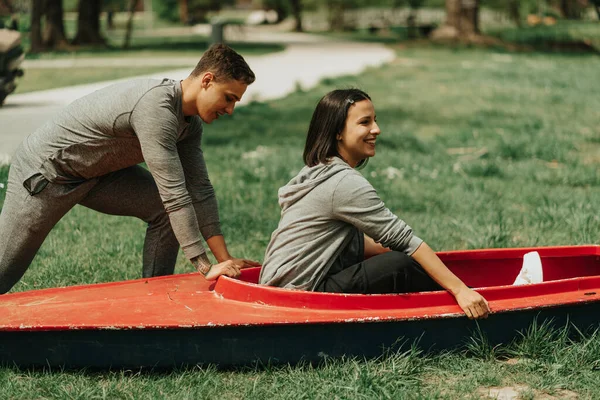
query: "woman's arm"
356, 202
372, 248
472, 303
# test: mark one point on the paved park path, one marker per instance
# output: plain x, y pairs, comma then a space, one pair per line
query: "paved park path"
306, 60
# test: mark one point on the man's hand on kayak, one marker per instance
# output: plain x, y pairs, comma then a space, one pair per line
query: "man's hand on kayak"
472, 303
212, 272
231, 267
228, 268
244, 263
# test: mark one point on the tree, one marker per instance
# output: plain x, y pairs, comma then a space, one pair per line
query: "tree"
184, 16
88, 23
336, 10
571, 9
297, 13
411, 20
37, 10
337, 13
462, 21
514, 11
132, 6
54, 32
8, 6
198, 9
111, 7
188, 11
281, 7
596, 4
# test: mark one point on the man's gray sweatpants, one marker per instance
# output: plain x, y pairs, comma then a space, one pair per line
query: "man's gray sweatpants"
26, 219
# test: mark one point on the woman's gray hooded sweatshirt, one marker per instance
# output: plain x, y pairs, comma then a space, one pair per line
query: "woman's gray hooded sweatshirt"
321, 208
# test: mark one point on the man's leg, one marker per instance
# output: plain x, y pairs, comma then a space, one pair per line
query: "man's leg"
133, 192
26, 220
391, 272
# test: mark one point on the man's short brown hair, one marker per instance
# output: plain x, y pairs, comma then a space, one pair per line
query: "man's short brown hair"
225, 63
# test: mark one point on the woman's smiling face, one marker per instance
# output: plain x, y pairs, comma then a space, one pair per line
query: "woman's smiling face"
357, 141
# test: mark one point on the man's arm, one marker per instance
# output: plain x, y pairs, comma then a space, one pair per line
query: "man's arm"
197, 182
201, 263
156, 125
203, 195
211, 272
358, 204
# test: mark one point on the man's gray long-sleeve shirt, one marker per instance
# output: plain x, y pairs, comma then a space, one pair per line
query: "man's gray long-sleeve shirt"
121, 126
321, 208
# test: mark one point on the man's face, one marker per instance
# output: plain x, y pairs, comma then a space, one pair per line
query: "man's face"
218, 97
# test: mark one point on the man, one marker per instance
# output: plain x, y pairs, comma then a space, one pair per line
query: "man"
89, 153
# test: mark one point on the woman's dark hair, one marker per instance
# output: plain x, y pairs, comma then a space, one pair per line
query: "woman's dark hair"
327, 122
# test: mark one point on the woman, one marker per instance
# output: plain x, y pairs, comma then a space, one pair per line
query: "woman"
335, 234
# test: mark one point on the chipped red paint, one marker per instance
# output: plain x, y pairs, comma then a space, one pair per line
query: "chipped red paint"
572, 276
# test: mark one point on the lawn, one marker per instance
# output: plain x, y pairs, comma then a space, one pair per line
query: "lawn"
579, 37
187, 50
478, 149
187, 45
574, 36
51, 78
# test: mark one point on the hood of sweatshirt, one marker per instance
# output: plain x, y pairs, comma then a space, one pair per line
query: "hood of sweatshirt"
309, 178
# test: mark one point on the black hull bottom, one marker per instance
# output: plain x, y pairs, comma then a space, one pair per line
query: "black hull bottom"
275, 344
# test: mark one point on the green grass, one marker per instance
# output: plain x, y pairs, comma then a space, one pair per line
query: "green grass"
478, 149
185, 47
51, 78
157, 46
565, 36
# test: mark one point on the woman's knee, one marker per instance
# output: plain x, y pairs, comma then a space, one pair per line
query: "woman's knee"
398, 260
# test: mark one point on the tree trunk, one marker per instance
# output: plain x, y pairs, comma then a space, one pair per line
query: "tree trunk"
132, 6
110, 19
411, 24
570, 9
184, 15
336, 15
453, 8
596, 4
37, 10
282, 12
54, 32
514, 11
462, 20
8, 5
88, 23
469, 17
297, 13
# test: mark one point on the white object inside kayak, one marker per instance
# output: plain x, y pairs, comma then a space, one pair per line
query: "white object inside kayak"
531, 272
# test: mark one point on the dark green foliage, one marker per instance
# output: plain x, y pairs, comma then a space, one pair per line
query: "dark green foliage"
167, 9
565, 36
197, 9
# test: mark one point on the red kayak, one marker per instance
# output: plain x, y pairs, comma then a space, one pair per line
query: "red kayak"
185, 320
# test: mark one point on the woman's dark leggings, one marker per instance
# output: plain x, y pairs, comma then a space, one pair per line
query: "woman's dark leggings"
391, 272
